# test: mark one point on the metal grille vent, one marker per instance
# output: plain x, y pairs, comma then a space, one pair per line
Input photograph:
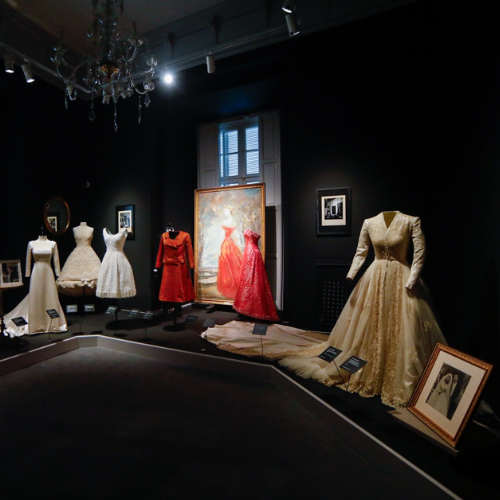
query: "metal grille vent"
332, 292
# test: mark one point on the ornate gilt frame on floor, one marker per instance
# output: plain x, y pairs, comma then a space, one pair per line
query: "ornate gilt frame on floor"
442, 403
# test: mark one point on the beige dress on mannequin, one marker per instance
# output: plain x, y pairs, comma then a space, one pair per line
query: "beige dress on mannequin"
81, 269
386, 321
116, 278
42, 295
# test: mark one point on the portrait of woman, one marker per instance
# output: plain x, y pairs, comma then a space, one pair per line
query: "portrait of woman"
440, 397
228, 277
222, 216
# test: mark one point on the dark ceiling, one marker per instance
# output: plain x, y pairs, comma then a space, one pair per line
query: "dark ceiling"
180, 32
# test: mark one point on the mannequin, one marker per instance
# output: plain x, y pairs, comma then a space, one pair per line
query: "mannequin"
42, 294
116, 278
175, 256
81, 270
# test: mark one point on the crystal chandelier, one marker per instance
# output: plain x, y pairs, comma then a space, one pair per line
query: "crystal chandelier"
108, 67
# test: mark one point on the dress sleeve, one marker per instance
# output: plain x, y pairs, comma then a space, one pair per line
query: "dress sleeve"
159, 257
417, 264
361, 251
55, 257
189, 250
28, 261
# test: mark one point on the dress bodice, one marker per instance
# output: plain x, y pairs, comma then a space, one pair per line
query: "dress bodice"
42, 250
251, 237
83, 235
175, 251
228, 231
391, 243
114, 242
42, 255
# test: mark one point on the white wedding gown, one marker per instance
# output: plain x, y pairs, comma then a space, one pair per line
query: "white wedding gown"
386, 321
81, 269
42, 295
116, 278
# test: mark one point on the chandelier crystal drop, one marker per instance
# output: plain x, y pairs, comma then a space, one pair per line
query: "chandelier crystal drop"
108, 68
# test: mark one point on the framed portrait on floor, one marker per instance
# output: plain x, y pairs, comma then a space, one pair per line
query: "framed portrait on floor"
125, 219
221, 216
448, 391
333, 212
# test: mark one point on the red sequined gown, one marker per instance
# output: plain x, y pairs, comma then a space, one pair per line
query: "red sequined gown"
254, 297
228, 276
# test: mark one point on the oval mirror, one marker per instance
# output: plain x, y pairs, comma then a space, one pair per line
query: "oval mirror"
56, 215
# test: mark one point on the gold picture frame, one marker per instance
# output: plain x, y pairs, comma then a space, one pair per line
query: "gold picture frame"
221, 216
448, 391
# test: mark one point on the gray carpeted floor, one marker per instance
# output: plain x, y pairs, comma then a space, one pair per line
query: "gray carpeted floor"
95, 423
181, 434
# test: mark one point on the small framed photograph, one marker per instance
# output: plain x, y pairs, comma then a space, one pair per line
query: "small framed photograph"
448, 391
10, 273
52, 220
333, 212
125, 219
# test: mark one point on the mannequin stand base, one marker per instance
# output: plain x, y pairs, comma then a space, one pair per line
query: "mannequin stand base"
174, 328
12, 342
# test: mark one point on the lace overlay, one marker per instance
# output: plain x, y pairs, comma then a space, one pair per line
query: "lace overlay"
254, 297
81, 270
116, 278
387, 320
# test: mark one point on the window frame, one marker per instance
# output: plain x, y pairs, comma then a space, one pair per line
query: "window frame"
240, 126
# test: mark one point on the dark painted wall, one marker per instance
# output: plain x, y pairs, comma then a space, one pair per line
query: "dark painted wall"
403, 107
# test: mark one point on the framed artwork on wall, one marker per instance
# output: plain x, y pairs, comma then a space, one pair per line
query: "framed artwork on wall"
125, 219
333, 212
10, 273
221, 216
448, 391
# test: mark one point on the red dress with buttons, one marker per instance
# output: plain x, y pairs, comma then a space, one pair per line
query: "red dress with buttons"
175, 254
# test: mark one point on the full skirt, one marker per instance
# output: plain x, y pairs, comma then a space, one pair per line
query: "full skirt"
228, 274
387, 325
80, 272
116, 278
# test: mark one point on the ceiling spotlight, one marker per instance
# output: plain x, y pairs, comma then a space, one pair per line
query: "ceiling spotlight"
288, 6
9, 63
210, 63
27, 72
293, 28
168, 78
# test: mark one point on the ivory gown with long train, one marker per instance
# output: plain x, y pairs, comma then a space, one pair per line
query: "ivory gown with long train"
386, 321
42, 295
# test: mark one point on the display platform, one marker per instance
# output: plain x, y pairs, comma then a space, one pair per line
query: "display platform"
94, 416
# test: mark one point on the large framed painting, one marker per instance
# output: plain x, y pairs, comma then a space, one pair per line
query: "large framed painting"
448, 391
221, 216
